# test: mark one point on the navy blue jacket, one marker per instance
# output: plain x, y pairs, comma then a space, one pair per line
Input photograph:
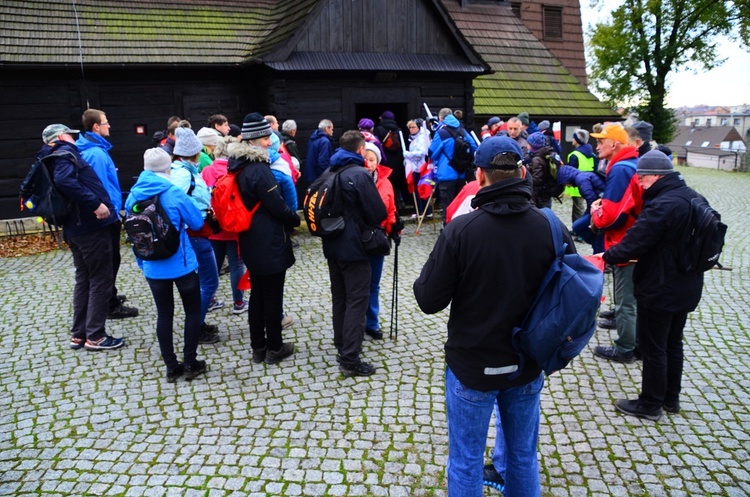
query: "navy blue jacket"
80, 184
318, 158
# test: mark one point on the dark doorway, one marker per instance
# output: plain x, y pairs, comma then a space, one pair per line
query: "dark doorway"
374, 111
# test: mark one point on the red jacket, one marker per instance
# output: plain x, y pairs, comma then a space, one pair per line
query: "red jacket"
621, 202
385, 189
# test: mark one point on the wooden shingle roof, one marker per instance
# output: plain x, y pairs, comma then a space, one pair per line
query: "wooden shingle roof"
527, 76
145, 31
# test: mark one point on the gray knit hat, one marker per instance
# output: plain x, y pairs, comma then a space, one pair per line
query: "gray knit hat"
255, 126
646, 130
156, 160
186, 143
654, 162
581, 136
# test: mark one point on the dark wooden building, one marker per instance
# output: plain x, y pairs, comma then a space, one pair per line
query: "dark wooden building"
141, 62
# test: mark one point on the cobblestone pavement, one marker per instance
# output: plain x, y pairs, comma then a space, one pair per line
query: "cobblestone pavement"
84, 423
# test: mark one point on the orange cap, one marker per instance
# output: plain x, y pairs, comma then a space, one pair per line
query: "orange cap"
614, 132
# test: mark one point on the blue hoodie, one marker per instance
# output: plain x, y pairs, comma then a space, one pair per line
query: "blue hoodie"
95, 150
181, 211
442, 147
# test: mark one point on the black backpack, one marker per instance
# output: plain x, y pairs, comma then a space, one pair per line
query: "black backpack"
323, 206
150, 231
463, 157
703, 240
39, 194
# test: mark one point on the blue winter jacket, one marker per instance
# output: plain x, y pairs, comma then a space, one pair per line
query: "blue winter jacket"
590, 185
442, 147
95, 150
80, 184
318, 158
181, 211
185, 175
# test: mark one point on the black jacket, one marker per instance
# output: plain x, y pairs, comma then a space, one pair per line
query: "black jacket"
80, 184
266, 247
654, 240
362, 205
488, 266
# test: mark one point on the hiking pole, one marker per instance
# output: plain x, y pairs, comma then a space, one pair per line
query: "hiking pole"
394, 298
424, 214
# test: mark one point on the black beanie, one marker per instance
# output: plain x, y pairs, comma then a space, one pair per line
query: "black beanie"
255, 126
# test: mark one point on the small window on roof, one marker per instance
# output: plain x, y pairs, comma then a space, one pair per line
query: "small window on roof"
553, 25
516, 8
705, 144
688, 143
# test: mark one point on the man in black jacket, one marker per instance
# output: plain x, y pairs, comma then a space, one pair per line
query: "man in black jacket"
488, 266
664, 294
348, 263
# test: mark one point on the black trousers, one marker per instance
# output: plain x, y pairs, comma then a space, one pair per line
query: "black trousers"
660, 341
265, 310
190, 292
350, 294
115, 234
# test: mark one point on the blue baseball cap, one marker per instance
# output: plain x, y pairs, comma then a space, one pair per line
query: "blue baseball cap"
497, 145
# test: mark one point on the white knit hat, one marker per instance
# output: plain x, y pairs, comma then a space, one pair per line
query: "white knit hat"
156, 160
208, 137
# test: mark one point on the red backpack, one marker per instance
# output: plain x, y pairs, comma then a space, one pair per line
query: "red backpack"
228, 206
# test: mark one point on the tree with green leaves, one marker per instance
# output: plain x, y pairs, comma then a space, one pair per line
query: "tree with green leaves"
634, 52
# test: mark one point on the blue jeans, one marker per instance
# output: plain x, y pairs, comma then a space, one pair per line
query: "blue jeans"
208, 273
581, 227
373, 308
230, 250
162, 290
469, 413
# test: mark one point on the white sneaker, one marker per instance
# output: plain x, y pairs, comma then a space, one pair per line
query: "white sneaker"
215, 304
286, 322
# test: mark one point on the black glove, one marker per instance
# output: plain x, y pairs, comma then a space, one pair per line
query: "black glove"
396, 239
398, 226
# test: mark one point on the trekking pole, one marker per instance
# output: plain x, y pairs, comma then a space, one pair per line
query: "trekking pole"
427, 206
394, 298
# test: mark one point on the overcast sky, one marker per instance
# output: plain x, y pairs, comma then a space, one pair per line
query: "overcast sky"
726, 85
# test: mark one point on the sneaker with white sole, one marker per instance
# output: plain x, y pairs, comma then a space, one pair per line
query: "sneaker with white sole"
104, 343
239, 308
215, 304
77, 343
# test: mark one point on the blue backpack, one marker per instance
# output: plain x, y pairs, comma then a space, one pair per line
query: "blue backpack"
562, 319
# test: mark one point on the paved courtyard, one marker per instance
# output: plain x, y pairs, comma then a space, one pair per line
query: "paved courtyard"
84, 423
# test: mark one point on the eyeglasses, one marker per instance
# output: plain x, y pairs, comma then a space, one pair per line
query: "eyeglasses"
104, 124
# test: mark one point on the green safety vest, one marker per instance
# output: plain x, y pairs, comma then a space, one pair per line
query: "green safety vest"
585, 164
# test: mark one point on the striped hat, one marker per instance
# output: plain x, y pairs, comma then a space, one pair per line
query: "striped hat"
255, 126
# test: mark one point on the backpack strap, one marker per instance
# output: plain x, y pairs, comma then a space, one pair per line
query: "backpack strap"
556, 230
192, 183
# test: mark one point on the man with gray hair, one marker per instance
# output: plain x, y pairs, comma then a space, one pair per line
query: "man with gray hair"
288, 134
319, 151
515, 131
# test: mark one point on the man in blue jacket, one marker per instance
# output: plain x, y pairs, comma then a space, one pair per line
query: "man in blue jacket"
94, 148
86, 231
319, 151
441, 151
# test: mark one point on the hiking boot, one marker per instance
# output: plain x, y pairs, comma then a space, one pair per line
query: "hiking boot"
608, 314
209, 334
491, 478
174, 373
122, 312
239, 307
359, 369
259, 355
286, 322
195, 369
121, 298
635, 408
375, 334
104, 343
77, 343
275, 356
637, 354
608, 324
214, 305
672, 407
612, 354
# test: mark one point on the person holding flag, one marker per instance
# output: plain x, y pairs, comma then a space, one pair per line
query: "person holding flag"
414, 159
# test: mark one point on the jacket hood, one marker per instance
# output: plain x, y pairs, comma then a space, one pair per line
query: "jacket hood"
343, 157
542, 152
383, 171
451, 121
566, 174
318, 135
148, 185
92, 140
241, 153
510, 196
587, 150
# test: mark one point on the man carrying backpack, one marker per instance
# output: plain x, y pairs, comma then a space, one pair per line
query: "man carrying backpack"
442, 151
482, 266
348, 263
664, 293
86, 231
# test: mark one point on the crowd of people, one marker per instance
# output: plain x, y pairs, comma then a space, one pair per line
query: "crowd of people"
629, 205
